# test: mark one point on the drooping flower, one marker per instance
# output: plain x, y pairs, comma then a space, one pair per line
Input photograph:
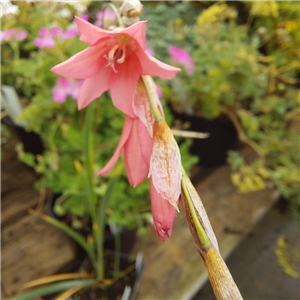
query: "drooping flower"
182, 57
114, 61
46, 39
65, 87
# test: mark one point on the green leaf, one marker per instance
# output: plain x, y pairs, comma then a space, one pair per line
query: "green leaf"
53, 288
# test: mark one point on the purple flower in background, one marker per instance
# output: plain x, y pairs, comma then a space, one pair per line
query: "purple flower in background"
65, 87
46, 39
182, 57
104, 18
72, 30
12, 34
159, 90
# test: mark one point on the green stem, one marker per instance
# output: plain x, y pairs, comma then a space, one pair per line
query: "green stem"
89, 185
150, 92
202, 236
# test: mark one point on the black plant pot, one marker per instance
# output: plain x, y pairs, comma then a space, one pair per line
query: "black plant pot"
32, 142
222, 138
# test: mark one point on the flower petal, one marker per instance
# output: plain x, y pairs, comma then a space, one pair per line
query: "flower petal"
136, 168
94, 87
82, 65
146, 143
138, 32
124, 136
153, 67
163, 213
89, 33
123, 84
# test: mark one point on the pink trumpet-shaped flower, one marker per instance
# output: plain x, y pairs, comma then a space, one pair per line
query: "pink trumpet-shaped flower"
114, 61
137, 146
163, 213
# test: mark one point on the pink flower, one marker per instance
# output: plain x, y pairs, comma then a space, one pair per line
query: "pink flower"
72, 31
137, 146
114, 61
12, 34
105, 18
182, 57
64, 88
46, 39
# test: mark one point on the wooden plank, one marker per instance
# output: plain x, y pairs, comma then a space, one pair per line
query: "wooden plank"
32, 248
16, 203
174, 269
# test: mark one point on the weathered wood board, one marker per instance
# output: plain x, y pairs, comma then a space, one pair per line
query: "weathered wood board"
174, 269
32, 248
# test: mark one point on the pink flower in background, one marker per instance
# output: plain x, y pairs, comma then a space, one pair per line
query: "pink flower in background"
64, 88
46, 39
182, 57
105, 18
13, 34
72, 31
159, 90
114, 61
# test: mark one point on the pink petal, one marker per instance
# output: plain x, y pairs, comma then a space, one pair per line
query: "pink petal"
138, 32
91, 34
123, 85
94, 87
146, 143
163, 213
153, 67
124, 136
82, 65
136, 168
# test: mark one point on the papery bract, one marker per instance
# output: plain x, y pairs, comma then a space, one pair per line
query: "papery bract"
165, 164
163, 213
115, 60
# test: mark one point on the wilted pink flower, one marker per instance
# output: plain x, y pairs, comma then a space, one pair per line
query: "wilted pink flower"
115, 60
46, 39
64, 88
13, 34
105, 18
182, 57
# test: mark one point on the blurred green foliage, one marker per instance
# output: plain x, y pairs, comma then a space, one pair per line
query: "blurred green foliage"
247, 68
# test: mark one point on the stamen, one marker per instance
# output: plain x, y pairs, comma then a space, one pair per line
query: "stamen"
122, 58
